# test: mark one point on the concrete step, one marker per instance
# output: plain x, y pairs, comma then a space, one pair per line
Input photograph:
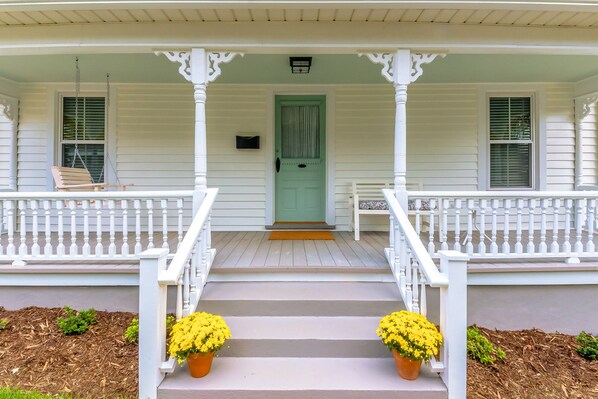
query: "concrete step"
301, 378
300, 298
306, 336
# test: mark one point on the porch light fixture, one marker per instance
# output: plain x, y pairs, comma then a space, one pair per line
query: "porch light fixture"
300, 64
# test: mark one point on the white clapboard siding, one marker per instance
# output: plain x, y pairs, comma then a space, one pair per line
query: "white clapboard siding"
32, 142
5, 134
589, 143
560, 137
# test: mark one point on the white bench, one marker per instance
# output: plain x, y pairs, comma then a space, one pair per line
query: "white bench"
367, 199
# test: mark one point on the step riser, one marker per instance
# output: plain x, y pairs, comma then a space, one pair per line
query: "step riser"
304, 348
300, 308
290, 394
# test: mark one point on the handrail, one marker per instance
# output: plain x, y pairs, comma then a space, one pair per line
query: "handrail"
176, 268
504, 194
428, 267
92, 195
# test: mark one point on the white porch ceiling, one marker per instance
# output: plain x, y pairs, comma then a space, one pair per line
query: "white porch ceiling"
516, 16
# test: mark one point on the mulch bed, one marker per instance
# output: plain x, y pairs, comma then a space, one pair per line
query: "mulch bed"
537, 366
35, 355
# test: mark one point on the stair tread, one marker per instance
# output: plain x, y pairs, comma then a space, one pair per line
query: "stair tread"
305, 374
301, 291
303, 327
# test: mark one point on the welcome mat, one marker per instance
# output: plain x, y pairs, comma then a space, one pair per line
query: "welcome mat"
301, 235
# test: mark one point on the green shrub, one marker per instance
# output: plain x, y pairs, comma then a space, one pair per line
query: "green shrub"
3, 323
132, 332
76, 322
588, 346
481, 349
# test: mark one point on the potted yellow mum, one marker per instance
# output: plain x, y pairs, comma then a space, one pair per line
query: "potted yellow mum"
196, 338
411, 338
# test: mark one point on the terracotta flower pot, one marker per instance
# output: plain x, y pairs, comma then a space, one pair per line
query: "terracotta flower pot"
200, 364
407, 369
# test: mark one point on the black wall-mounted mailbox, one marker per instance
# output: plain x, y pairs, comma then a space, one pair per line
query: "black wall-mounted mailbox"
248, 142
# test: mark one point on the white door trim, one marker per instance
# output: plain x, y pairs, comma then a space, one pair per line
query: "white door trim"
325, 90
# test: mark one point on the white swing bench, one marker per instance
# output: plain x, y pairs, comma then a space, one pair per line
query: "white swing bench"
367, 199
78, 179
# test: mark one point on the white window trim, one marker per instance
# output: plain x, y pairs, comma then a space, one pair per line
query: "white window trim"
537, 93
55, 91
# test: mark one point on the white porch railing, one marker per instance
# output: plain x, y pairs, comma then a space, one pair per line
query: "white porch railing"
90, 225
507, 224
188, 271
414, 269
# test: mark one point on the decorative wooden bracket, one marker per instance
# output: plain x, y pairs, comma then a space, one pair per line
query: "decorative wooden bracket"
208, 63
403, 66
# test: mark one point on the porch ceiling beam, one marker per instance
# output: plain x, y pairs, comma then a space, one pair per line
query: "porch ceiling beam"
544, 5
295, 37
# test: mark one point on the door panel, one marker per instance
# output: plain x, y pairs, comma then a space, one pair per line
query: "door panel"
300, 149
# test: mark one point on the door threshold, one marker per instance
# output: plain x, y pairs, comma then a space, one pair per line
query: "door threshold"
300, 226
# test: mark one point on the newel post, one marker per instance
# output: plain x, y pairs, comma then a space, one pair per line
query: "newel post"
152, 321
401, 68
9, 110
200, 67
453, 322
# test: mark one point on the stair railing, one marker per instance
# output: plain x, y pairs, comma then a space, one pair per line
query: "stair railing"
188, 272
414, 269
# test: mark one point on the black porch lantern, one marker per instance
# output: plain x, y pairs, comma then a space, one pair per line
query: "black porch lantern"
300, 64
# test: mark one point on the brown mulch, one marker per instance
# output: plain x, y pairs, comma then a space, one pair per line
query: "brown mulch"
538, 365
36, 355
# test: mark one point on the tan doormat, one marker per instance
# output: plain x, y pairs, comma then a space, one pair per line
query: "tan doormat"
301, 235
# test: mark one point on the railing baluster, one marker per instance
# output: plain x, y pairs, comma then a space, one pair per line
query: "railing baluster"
506, 247
60, 249
415, 286
73, 250
124, 206
469, 245
112, 246
48, 227
494, 239
35, 248
543, 247
418, 216
186, 289
179, 205
137, 206
203, 245
9, 206
164, 205
443, 233
590, 247
86, 247
519, 227
531, 247
482, 244
431, 246
403, 259
22, 216
554, 247
580, 206
567, 242
150, 224
423, 307
99, 251
408, 280
457, 243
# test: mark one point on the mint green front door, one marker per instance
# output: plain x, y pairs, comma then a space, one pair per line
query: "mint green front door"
300, 184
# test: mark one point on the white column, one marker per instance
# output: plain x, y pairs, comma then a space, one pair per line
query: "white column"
401, 68
582, 109
200, 67
9, 110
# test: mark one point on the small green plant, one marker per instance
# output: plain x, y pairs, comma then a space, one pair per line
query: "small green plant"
76, 322
3, 324
132, 332
588, 346
481, 349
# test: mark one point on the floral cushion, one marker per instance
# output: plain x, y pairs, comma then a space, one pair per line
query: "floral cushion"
380, 205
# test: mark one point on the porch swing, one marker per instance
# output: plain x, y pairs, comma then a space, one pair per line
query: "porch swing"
79, 178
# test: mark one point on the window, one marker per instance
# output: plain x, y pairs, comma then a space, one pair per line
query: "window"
83, 134
511, 142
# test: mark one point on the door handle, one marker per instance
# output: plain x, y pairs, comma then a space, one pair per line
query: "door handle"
277, 164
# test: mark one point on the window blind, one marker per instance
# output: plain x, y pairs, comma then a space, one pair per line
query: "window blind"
511, 142
84, 129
